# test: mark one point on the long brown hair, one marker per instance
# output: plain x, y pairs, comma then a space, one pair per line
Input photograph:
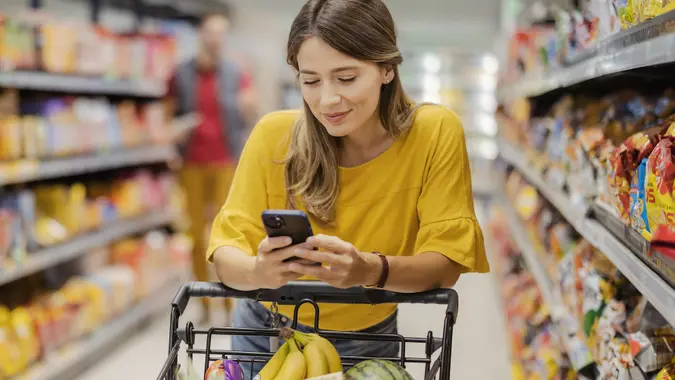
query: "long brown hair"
363, 29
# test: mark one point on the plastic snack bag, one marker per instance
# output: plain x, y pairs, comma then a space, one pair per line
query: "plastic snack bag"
628, 12
660, 185
619, 183
638, 215
662, 250
667, 373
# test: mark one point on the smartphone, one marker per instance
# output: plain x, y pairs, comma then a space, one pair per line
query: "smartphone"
292, 223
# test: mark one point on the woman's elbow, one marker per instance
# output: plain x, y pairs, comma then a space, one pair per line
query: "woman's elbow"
450, 280
450, 274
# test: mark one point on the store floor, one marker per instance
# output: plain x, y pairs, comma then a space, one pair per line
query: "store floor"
479, 350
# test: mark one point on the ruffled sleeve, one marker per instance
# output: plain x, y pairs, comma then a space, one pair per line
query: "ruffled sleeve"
460, 240
445, 209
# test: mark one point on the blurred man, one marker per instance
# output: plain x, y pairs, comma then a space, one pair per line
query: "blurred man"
220, 92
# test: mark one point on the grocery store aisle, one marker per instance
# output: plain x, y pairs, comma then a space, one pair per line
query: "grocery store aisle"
479, 350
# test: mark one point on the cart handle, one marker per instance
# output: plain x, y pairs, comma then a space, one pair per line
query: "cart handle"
295, 292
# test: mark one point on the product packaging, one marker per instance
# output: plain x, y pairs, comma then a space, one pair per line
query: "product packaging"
667, 373
660, 184
662, 250
628, 11
638, 216
59, 47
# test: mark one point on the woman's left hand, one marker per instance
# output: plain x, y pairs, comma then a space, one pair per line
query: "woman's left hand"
344, 266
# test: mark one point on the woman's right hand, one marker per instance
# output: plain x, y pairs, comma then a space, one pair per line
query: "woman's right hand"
270, 269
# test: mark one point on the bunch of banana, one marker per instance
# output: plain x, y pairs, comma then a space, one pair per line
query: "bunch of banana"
303, 356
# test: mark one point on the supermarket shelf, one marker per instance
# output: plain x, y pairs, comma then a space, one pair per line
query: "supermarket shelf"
645, 45
578, 353
62, 167
30, 80
531, 258
79, 246
658, 291
71, 361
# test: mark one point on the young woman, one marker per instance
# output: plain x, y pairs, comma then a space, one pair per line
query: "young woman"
382, 179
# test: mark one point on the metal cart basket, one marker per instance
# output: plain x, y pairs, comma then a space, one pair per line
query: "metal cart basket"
298, 294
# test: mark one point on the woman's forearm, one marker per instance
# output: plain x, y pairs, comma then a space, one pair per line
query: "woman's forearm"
412, 274
235, 268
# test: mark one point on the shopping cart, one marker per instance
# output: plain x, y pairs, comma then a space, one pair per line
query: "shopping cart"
298, 294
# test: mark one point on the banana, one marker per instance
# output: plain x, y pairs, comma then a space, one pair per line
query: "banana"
294, 367
317, 364
332, 356
272, 367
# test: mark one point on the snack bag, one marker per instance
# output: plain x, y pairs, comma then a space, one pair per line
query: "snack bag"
660, 181
652, 352
10, 357
628, 12
667, 373
27, 342
652, 8
619, 184
638, 215
662, 250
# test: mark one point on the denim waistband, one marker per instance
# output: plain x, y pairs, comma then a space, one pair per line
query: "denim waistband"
258, 312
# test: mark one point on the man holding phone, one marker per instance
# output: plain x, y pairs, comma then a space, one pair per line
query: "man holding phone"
221, 93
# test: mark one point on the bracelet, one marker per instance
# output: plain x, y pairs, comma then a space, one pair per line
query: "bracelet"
385, 272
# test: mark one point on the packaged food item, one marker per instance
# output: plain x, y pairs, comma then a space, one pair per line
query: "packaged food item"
660, 185
59, 47
17, 44
652, 8
662, 250
10, 137
625, 162
652, 352
628, 11
619, 183
28, 343
638, 216
123, 55
667, 373
90, 51
10, 357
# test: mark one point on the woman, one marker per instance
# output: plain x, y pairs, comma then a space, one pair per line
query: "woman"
374, 172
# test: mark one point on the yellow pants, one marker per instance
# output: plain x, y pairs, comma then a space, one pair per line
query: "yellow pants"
206, 188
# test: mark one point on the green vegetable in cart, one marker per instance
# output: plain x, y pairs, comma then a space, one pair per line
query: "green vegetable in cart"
378, 370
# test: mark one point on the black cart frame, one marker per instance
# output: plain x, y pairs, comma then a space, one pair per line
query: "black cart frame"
306, 292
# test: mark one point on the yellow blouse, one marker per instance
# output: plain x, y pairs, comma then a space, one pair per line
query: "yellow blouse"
415, 197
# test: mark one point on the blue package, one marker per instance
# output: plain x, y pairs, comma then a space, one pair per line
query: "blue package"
638, 196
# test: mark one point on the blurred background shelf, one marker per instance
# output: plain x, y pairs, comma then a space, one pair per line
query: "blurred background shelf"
80, 245
578, 354
29, 80
72, 360
31, 170
531, 258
